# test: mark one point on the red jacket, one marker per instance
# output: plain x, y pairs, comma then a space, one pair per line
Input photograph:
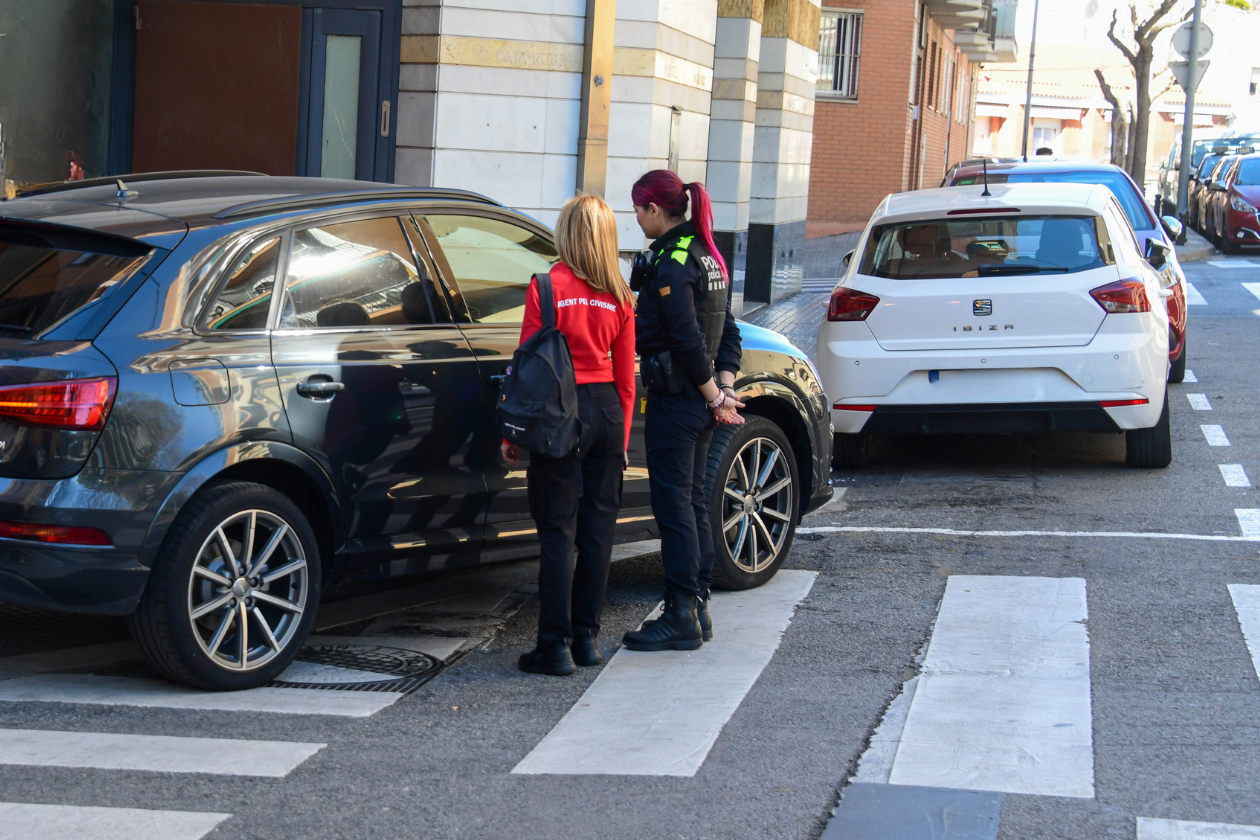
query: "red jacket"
600, 333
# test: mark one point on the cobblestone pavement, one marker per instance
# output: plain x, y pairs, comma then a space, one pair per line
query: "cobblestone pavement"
796, 317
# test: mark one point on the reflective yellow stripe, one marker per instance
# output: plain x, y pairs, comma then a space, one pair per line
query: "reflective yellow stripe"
685, 242
679, 256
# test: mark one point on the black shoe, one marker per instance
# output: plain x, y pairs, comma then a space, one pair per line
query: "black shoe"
586, 652
706, 620
676, 629
554, 660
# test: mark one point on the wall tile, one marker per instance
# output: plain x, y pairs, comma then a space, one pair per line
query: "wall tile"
511, 179
415, 119
490, 123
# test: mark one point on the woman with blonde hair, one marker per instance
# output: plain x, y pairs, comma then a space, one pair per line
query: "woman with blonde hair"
575, 499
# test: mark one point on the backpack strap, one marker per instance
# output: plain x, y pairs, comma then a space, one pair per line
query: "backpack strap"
546, 300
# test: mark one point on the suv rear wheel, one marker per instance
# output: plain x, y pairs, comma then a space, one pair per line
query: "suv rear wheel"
754, 500
233, 593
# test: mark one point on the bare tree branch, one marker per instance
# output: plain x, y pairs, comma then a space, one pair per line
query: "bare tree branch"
1120, 45
1141, 33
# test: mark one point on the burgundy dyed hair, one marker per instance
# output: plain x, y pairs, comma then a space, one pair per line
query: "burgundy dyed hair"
668, 192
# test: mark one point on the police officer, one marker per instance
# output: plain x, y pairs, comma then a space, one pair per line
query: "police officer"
689, 350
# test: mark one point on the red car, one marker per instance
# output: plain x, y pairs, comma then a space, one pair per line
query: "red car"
1235, 199
1145, 224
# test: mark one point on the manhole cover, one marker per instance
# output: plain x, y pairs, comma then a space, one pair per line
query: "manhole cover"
359, 668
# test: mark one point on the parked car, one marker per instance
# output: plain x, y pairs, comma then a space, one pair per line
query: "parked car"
1207, 196
1196, 188
1235, 198
1205, 140
1032, 309
1143, 221
225, 397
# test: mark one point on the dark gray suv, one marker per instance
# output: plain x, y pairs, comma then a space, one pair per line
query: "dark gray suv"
225, 397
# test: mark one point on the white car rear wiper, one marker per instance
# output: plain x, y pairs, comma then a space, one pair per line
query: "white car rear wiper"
986, 270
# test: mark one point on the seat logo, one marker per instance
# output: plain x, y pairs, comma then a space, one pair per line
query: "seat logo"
982, 307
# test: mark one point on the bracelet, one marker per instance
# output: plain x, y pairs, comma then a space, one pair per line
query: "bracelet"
717, 402
729, 389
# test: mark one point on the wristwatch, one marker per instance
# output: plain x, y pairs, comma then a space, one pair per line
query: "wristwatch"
717, 402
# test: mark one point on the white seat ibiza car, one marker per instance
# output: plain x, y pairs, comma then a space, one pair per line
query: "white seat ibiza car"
1029, 309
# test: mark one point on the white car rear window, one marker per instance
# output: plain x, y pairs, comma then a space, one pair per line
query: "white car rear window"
992, 246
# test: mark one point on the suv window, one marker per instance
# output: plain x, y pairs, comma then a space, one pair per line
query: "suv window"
1134, 205
355, 274
244, 300
1007, 245
47, 275
490, 261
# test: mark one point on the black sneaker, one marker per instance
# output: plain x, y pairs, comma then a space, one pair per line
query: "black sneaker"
676, 629
585, 652
554, 660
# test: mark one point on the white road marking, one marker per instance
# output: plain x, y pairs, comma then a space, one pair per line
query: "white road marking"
1234, 475
1149, 829
659, 714
1247, 604
1232, 263
128, 691
1248, 522
1193, 298
1003, 701
1199, 402
1190, 377
155, 753
1215, 435
958, 532
23, 821
1254, 288
875, 765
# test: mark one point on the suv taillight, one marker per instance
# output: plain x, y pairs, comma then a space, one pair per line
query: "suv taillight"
54, 534
78, 405
850, 305
1122, 296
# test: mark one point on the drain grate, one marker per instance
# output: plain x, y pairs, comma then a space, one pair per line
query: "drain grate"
359, 668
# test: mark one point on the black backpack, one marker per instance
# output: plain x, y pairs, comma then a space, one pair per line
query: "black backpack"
538, 405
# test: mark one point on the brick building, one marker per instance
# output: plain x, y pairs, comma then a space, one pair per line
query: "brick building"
893, 108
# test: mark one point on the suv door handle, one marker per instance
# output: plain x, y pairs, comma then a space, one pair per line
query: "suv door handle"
316, 388
498, 379
410, 389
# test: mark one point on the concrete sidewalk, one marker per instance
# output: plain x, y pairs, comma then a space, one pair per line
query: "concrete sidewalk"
1196, 248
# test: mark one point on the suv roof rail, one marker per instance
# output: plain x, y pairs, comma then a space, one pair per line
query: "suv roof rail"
135, 178
297, 202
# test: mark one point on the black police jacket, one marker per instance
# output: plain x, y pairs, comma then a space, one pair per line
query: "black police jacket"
685, 307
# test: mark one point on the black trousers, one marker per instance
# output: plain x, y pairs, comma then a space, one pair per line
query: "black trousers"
677, 433
575, 501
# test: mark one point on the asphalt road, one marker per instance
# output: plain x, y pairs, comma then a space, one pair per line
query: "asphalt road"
1169, 690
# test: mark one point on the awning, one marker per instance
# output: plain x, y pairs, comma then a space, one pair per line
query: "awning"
1047, 112
985, 109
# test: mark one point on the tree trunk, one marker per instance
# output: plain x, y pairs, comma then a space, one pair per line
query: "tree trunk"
1141, 123
1119, 126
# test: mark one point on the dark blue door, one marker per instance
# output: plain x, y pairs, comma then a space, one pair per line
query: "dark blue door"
347, 116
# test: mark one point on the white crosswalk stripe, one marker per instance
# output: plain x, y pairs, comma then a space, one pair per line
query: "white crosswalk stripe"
1190, 377
1248, 522
979, 712
156, 753
1254, 288
1246, 600
127, 691
1193, 298
1149, 829
1199, 402
643, 715
1235, 263
23, 821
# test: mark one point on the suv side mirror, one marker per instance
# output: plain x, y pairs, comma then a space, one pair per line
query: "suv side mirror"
1157, 253
1172, 226
846, 259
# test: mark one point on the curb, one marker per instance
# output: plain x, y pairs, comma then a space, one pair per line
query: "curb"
1196, 248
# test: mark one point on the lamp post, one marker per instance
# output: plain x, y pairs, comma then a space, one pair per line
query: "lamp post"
1032, 54
1187, 128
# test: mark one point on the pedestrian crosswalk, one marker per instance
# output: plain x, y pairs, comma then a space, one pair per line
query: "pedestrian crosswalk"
24, 821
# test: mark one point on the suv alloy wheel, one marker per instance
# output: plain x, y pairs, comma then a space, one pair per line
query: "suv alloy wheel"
233, 593
753, 502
